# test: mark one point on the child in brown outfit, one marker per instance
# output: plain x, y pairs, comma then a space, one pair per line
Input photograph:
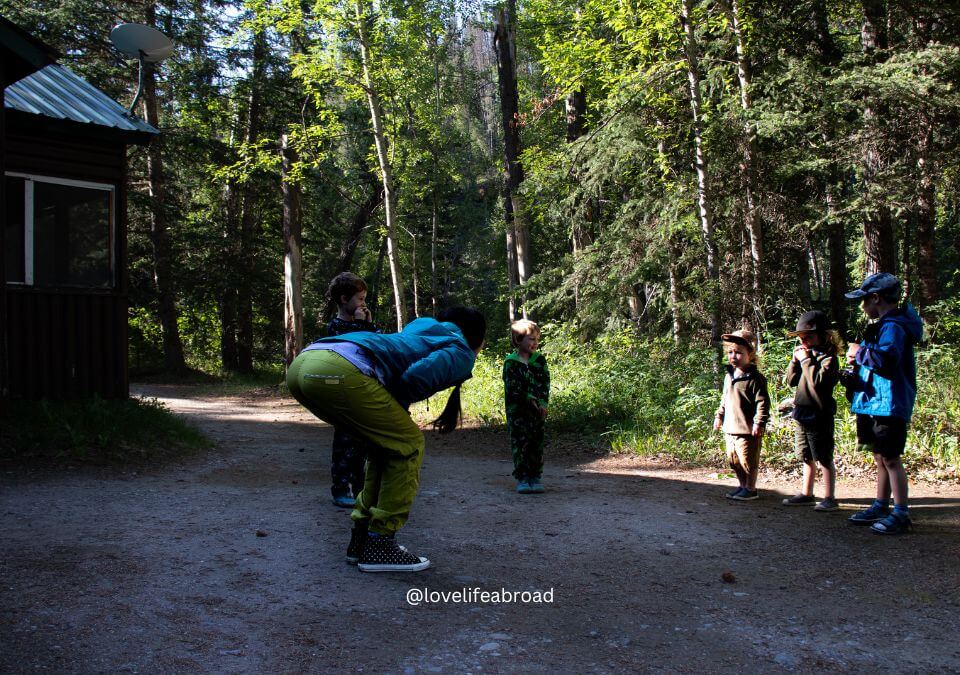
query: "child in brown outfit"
744, 411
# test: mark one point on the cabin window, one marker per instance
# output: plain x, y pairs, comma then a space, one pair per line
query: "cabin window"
59, 233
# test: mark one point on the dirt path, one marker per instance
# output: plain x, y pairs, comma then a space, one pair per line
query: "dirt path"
164, 570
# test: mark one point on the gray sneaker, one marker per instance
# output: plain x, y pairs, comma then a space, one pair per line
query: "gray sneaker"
828, 504
798, 500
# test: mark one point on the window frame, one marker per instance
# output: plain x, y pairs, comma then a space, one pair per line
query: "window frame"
28, 226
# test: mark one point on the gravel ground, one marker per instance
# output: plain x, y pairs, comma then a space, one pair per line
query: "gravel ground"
233, 562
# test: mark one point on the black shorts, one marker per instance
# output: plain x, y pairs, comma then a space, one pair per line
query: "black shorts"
814, 441
886, 436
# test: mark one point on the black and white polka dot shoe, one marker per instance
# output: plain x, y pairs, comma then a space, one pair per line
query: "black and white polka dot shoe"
382, 554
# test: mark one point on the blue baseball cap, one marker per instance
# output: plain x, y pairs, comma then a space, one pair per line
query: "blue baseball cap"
881, 282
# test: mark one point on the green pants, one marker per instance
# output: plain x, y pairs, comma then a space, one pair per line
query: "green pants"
333, 389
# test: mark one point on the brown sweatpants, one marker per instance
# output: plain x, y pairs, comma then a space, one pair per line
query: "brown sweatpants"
743, 453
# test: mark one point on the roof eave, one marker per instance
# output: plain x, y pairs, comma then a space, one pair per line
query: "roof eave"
18, 120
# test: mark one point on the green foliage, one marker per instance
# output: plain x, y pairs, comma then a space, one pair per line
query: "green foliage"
95, 431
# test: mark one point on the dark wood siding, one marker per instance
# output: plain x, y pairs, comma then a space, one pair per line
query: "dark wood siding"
64, 157
69, 343
66, 345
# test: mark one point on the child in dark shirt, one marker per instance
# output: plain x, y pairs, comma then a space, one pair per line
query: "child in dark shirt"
348, 453
814, 371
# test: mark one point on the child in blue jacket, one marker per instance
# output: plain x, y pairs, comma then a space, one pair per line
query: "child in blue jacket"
366, 382
883, 380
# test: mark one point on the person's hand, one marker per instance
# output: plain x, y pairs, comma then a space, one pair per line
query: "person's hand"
717, 423
757, 430
362, 314
852, 350
800, 353
543, 412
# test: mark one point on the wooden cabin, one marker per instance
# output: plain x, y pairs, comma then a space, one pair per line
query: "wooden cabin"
64, 163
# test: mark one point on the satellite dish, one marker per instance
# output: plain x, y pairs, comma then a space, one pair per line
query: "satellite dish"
144, 43
140, 41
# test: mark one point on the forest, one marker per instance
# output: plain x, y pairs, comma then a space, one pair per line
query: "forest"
637, 177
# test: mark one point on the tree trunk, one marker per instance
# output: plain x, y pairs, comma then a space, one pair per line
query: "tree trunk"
518, 252
292, 267
228, 291
359, 222
748, 174
802, 263
159, 237
926, 220
373, 299
704, 196
830, 56
815, 268
674, 255
383, 157
879, 242
434, 226
576, 109
415, 280
248, 214
435, 197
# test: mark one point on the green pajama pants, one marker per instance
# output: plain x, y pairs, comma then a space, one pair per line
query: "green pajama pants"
333, 389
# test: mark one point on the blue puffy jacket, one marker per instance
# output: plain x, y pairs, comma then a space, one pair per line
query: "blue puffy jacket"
427, 356
886, 379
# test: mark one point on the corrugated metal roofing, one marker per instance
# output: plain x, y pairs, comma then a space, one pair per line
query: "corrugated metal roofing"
57, 92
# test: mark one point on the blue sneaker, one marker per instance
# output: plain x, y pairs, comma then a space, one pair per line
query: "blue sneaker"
536, 486
524, 487
871, 515
344, 501
892, 524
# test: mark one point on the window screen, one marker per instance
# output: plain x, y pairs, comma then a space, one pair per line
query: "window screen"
72, 234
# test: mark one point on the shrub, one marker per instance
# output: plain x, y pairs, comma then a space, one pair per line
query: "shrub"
94, 431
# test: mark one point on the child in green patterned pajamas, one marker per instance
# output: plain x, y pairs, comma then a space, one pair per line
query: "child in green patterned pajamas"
526, 386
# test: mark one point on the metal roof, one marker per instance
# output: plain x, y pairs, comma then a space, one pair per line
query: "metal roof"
57, 92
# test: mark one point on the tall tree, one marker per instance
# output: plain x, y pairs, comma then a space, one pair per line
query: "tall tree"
518, 250
174, 361
879, 241
292, 256
249, 225
704, 193
363, 18
751, 215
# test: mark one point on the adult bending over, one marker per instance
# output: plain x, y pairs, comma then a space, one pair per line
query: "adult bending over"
366, 383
